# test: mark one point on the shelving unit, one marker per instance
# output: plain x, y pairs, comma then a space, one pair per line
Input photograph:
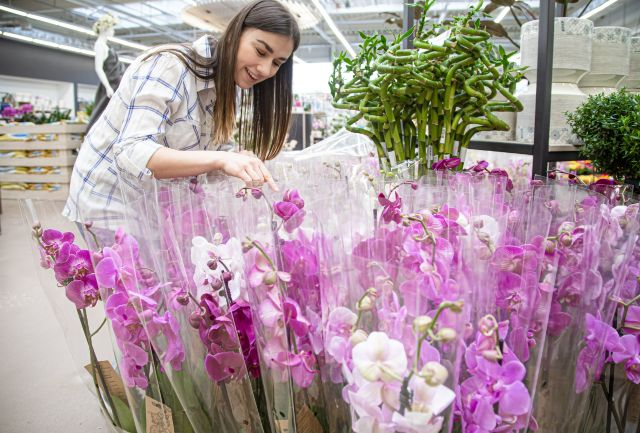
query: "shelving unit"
69, 137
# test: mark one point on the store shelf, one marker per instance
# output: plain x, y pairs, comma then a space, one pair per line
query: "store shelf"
566, 152
64, 142
63, 128
53, 161
61, 194
36, 178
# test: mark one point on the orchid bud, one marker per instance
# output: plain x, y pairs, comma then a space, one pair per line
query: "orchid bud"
246, 246
88, 225
406, 222
256, 193
270, 278
549, 246
217, 239
227, 276
422, 323
491, 355
216, 283
488, 325
446, 335
434, 374
195, 319
565, 239
478, 223
359, 336
212, 264
414, 185
183, 299
36, 225
371, 291
365, 304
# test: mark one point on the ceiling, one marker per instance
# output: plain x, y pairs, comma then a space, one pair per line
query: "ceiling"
154, 22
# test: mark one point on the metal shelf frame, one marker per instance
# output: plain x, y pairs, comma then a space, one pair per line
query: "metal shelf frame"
540, 148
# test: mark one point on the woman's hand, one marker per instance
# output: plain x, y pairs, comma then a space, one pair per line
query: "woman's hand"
246, 166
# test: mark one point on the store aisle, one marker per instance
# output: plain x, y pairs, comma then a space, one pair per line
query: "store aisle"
40, 389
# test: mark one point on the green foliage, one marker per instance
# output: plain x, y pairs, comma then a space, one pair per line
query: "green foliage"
55, 116
609, 127
426, 102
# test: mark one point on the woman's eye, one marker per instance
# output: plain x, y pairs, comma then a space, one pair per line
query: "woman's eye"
276, 64
260, 53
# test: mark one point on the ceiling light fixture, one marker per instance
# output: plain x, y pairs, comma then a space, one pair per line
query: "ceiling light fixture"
70, 26
333, 27
503, 13
55, 45
599, 9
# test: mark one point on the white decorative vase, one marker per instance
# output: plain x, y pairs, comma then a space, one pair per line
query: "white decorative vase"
571, 49
571, 61
564, 97
632, 82
610, 55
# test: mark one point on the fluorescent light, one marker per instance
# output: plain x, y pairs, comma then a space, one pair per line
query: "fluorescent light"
57, 46
48, 43
501, 15
333, 27
297, 59
599, 9
70, 26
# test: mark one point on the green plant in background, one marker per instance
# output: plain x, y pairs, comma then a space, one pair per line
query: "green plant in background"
609, 127
427, 102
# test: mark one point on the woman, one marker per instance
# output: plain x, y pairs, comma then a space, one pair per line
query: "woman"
179, 98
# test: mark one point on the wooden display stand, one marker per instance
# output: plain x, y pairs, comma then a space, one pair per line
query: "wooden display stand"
69, 137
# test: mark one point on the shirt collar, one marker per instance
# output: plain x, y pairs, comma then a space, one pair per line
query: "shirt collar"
202, 46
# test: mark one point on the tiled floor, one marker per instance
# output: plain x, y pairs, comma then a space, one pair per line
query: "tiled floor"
40, 389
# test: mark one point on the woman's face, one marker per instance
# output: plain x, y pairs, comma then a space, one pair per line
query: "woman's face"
260, 55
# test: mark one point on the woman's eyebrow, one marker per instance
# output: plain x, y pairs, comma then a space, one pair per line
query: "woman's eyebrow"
268, 47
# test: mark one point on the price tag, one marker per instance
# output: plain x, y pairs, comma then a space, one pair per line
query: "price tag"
158, 417
114, 382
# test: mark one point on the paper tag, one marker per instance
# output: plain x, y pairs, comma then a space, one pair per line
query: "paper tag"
114, 382
438, 41
306, 421
158, 417
282, 425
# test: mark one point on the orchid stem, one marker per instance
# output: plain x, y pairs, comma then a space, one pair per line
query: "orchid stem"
611, 407
99, 328
95, 366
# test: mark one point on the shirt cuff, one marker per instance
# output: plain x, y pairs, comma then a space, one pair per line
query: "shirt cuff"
133, 157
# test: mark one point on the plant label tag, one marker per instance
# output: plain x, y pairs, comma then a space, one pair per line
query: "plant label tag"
112, 378
282, 425
158, 417
306, 421
438, 41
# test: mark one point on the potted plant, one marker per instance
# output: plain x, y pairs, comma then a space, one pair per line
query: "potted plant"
609, 128
425, 104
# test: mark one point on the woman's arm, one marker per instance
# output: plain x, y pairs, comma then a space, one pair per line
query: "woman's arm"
169, 163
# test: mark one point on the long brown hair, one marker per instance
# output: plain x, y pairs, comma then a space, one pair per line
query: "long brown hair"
265, 109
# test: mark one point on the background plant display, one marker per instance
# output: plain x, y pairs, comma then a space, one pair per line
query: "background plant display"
609, 128
426, 103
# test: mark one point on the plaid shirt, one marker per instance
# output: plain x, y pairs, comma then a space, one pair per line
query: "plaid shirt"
159, 103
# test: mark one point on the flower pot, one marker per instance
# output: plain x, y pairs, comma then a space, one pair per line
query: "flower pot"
610, 54
571, 49
564, 97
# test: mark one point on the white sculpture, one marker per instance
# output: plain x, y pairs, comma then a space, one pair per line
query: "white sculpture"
108, 68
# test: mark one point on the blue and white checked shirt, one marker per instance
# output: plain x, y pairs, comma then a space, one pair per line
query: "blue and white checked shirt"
159, 103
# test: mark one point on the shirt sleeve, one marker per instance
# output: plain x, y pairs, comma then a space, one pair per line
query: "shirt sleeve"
156, 93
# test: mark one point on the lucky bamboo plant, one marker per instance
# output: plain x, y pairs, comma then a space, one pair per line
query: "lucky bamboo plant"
427, 102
